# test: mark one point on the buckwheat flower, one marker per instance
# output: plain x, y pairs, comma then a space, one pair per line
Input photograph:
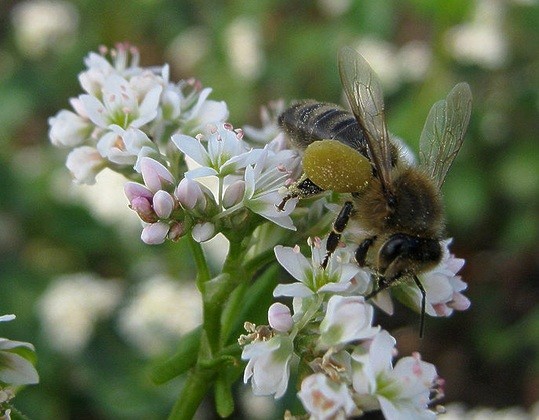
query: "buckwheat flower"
14, 368
312, 278
192, 194
68, 129
401, 391
123, 146
347, 319
268, 365
122, 104
442, 285
263, 180
141, 201
280, 317
224, 154
85, 163
124, 62
326, 399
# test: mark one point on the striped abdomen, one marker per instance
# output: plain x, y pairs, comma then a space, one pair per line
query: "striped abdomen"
309, 121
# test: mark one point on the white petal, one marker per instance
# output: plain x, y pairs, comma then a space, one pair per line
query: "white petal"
293, 261
95, 110
16, 370
192, 148
292, 290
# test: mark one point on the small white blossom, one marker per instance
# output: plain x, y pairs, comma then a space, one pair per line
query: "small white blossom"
68, 129
402, 391
324, 399
121, 104
347, 319
269, 365
123, 146
312, 278
85, 163
224, 154
15, 369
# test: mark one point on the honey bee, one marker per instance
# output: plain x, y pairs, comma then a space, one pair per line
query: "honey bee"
397, 205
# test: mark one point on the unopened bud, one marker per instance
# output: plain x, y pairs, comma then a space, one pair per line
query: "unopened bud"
163, 204
234, 193
155, 175
144, 209
279, 317
155, 233
176, 231
189, 194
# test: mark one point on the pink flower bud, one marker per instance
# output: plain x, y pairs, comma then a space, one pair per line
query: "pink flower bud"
144, 209
155, 233
203, 232
279, 317
163, 204
177, 230
189, 194
133, 189
234, 193
155, 175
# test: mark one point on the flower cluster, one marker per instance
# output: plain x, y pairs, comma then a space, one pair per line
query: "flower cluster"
168, 139
346, 362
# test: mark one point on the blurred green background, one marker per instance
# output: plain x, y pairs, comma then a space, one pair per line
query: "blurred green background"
93, 349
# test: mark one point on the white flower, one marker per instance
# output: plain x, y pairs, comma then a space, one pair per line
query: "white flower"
122, 104
68, 129
262, 184
14, 368
224, 154
312, 278
325, 399
270, 127
71, 306
123, 146
269, 365
402, 391
85, 163
347, 319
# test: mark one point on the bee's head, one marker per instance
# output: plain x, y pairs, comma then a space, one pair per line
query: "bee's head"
403, 254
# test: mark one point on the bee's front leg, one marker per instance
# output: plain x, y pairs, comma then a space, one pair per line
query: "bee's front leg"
338, 227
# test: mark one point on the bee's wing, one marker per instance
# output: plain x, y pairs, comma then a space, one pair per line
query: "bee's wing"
444, 131
365, 96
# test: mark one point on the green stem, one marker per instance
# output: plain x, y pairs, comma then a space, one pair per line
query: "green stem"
203, 271
196, 386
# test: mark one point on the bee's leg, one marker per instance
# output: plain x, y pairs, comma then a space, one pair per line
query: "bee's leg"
338, 227
423, 304
362, 249
302, 188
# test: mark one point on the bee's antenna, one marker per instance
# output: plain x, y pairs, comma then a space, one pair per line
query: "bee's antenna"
423, 303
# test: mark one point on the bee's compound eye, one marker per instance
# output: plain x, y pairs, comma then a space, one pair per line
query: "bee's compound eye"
394, 246
334, 166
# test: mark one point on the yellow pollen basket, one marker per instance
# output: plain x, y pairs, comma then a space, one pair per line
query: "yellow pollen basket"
335, 166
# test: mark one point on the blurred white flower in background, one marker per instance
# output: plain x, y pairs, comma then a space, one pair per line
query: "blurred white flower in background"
481, 41
72, 305
334, 8
188, 48
42, 26
243, 46
160, 311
